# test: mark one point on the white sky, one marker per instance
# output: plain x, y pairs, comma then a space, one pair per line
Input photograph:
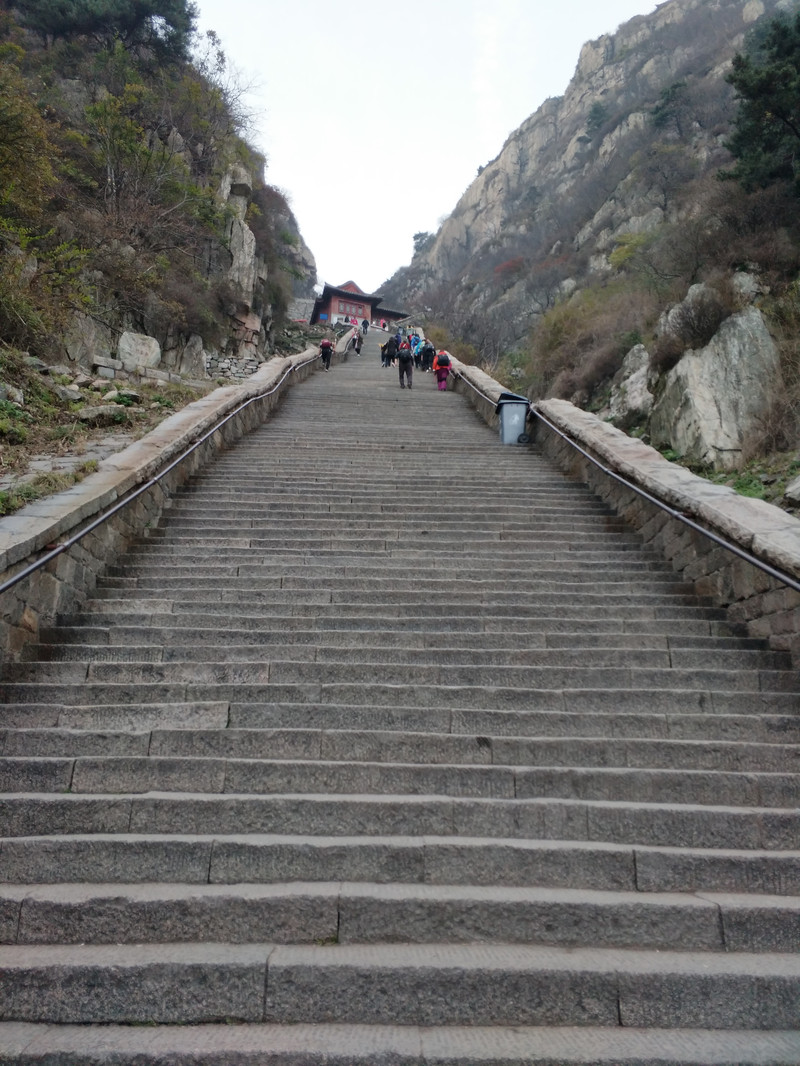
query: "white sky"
374, 117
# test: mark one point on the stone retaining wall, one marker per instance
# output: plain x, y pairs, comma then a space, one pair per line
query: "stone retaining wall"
763, 605
66, 581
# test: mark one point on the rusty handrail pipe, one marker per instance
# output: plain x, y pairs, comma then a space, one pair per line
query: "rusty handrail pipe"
109, 512
723, 542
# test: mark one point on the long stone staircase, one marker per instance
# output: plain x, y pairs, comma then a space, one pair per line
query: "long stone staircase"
389, 745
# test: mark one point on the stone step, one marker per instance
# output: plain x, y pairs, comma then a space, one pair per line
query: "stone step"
354, 913
258, 579
65, 644
548, 593
123, 774
29, 1044
444, 615
621, 823
424, 747
740, 721
250, 703
315, 569
406, 984
472, 633
495, 689
77, 662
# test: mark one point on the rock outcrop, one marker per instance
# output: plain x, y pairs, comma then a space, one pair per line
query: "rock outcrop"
631, 399
717, 395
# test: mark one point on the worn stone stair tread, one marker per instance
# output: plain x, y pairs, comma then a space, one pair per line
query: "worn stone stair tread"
635, 824
352, 912
131, 856
405, 983
456, 695
70, 665
30, 1044
668, 713
147, 773
184, 641
695, 735
217, 681
431, 746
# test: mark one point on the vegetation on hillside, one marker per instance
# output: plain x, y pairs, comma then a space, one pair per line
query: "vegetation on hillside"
113, 145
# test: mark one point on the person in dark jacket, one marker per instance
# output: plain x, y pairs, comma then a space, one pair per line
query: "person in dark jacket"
428, 353
325, 352
405, 362
389, 352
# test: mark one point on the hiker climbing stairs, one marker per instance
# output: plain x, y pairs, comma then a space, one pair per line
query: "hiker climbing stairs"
390, 744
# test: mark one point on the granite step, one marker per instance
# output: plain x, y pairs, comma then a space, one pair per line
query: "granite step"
752, 723
363, 913
422, 747
30, 1044
602, 822
406, 984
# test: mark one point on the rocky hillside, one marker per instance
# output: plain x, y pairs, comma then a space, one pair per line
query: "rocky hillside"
598, 216
139, 236
580, 171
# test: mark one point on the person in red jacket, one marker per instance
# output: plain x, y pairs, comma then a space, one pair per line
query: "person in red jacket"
441, 368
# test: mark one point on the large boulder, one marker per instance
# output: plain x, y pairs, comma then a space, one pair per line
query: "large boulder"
716, 395
631, 399
137, 350
192, 362
85, 339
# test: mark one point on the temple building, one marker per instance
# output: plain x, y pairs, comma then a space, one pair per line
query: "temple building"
343, 303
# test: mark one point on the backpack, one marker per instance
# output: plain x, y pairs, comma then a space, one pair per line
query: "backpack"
444, 359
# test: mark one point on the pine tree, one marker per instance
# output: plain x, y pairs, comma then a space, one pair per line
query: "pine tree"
766, 137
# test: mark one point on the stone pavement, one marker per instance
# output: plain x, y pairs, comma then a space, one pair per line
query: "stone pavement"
392, 745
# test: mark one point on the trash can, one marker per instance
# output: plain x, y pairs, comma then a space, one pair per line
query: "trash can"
513, 411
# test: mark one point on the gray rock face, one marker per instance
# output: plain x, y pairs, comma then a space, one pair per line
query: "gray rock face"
85, 339
193, 359
137, 350
630, 395
716, 395
242, 245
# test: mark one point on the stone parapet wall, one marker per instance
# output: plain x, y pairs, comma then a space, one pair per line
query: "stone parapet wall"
67, 580
753, 599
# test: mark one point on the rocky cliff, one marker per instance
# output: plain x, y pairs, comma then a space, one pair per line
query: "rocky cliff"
571, 262
575, 176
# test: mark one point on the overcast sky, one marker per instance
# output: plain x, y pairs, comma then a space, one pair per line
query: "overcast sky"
375, 117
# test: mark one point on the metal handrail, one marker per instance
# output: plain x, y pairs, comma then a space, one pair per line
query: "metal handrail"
723, 542
109, 512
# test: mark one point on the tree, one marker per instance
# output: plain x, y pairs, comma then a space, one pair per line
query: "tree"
596, 119
165, 27
27, 156
672, 109
766, 137
422, 241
